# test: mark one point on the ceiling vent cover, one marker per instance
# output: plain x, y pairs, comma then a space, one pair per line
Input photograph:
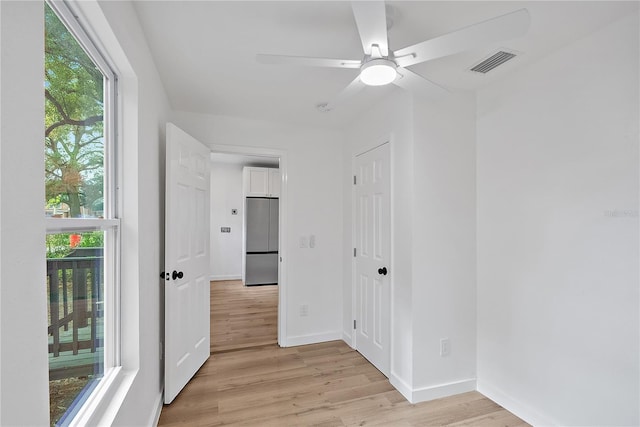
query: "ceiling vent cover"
493, 61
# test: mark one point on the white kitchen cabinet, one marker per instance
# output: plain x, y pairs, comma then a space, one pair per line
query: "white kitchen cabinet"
261, 182
274, 182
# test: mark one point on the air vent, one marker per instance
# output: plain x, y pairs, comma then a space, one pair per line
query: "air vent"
493, 61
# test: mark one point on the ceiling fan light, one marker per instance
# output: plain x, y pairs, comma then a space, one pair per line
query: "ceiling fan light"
378, 72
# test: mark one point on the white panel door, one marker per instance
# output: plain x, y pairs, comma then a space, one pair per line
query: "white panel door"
372, 289
186, 260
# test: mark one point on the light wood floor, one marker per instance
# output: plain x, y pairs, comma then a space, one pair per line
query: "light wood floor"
249, 380
326, 384
242, 316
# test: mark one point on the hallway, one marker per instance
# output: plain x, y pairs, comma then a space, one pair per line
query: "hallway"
326, 384
249, 380
242, 316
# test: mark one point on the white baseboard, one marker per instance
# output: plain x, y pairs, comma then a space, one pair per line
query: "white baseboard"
514, 406
313, 338
402, 387
155, 414
443, 390
417, 395
227, 277
348, 338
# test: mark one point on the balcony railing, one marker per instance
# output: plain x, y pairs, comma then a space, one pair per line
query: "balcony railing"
75, 313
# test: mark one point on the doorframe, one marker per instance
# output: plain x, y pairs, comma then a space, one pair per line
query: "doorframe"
282, 224
388, 139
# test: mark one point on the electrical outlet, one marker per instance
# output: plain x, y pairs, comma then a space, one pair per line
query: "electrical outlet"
312, 241
304, 242
304, 310
445, 347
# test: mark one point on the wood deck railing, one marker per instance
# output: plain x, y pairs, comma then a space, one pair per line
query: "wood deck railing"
75, 301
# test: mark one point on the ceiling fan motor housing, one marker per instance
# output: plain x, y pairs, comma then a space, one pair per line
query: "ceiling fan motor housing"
378, 72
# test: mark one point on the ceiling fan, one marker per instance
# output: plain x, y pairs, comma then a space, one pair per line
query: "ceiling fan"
381, 66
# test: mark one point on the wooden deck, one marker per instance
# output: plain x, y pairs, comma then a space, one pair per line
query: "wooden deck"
68, 364
76, 332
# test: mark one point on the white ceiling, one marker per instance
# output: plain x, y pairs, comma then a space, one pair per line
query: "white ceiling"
205, 50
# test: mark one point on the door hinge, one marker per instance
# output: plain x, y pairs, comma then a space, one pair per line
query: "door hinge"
354, 323
354, 180
354, 252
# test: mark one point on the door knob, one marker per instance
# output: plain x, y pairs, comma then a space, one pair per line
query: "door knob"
177, 275
382, 271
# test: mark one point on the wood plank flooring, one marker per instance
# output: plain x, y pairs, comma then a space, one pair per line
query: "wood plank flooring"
242, 316
248, 383
326, 384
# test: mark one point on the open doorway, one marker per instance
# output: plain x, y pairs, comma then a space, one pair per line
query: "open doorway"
242, 315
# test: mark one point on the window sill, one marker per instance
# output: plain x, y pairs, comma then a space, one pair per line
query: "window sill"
103, 405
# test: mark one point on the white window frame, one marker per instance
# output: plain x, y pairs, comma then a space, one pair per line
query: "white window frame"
110, 224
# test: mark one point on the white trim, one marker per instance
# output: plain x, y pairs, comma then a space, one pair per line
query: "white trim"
283, 226
214, 278
348, 339
61, 225
519, 409
313, 338
103, 404
105, 407
438, 391
154, 417
392, 256
400, 385
424, 394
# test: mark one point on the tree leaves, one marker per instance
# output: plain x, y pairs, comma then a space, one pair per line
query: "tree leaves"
74, 117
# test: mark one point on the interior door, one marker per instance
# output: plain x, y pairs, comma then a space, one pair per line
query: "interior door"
372, 289
186, 260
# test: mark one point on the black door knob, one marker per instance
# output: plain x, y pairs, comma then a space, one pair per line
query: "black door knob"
177, 275
382, 271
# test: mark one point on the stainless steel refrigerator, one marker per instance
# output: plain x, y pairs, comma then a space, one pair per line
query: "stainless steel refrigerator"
262, 241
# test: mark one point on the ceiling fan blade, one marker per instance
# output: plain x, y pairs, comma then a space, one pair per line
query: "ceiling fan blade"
307, 61
354, 87
371, 20
417, 84
503, 27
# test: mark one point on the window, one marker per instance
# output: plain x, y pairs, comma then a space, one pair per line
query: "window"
82, 217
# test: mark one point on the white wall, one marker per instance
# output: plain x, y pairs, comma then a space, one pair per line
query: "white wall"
433, 238
136, 396
226, 194
557, 188
145, 112
444, 245
23, 310
391, 119
314, 206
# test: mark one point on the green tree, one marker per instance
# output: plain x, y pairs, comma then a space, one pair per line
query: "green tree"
74, 109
